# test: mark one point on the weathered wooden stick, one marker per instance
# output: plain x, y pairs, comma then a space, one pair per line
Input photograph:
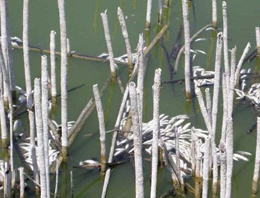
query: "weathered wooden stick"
125, 35
187, 72
214, 14
206, 168
63, 83
4, 129
156, 130
109, 44
148, 14
6, 46
216, 83
140, 76
139, 180
223, 169
257, 34
229, 150
208, 103
240, 63
183, 47
53, 65
102, 129
68, 46
21, 171
257, 159
225, 39
45, 118
225, 108
232, 82
40, 144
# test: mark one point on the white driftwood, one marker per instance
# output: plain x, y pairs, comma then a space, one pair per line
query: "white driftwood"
45, 118
53, 64
156, 130
125, 35
139, 180
109, 44
186, 25
40, 144
63, 82
102, 129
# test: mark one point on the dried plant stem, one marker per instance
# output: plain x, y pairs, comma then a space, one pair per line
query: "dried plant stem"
223, 169
156, 130
225, 108
257, 34
40, 142
21, 171
206, 168
7, 48
102, 129
4, 129
186, 25
57, 179
125, 35
139, 180
257, 159
208, 103
148, 15
45, 118
240, 63
225, 38
140, 76
63, 83
214, 14
109, 44
229, 150
53, 64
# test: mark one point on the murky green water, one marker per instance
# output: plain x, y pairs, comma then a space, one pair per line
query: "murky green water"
85, 32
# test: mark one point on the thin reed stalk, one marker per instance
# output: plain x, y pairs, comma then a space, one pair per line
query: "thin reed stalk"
139, 180
257, 159
148, 15
4, 129
53, 64
140, 76
205, 170
40, 142
21, 173
240, 63
232, 82
225, 108
68, 46
63, 83
71, 184
214, 14
257, 35
223, 169
225, 39
156, 130
7, 47
109, 44
186, 26
102, 129
208, 103
229, 150
126, 37
45, 118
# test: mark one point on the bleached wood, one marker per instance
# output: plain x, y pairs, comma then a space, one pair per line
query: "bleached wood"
214, 13
156, 130
102, 130
21, 173
186, 26
139, 180
257, 34
148, 14
109, 44
53, 64
206, 168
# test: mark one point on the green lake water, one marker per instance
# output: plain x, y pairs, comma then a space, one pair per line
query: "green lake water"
86, 35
